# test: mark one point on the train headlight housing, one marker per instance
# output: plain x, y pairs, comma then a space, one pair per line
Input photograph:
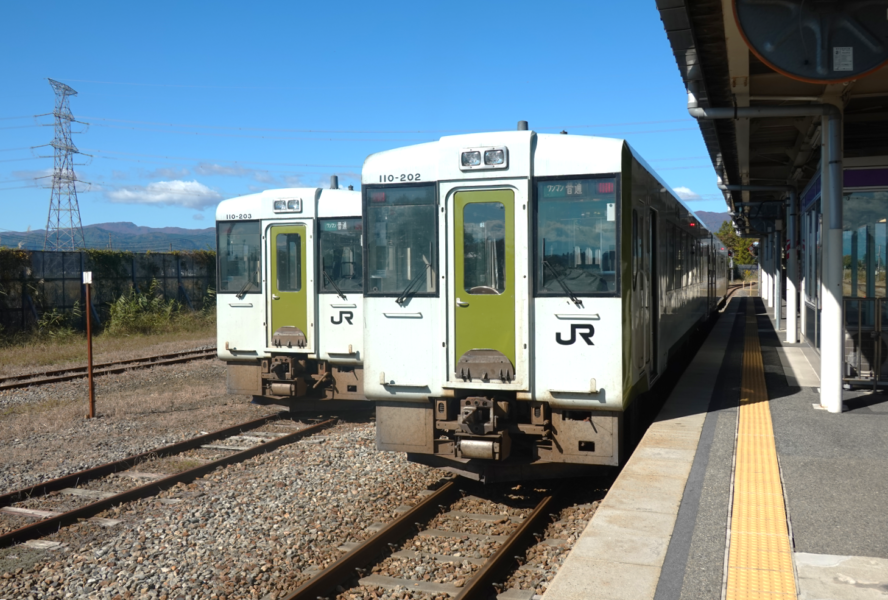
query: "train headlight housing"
470, 159
496, 157
294, 205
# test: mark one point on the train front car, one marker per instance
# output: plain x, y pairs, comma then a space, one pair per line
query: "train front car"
512, 319
290, 300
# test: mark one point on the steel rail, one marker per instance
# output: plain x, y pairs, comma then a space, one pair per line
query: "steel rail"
55, 376
344, 568
107, 364
480, 586
53, 524
123, 464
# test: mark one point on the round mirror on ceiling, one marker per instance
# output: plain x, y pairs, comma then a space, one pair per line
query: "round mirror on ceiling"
818, 41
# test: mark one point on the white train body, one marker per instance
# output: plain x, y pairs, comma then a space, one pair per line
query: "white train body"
545, 294
289, 297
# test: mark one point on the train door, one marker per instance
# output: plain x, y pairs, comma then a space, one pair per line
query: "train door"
289, 292
654, 305
484, 285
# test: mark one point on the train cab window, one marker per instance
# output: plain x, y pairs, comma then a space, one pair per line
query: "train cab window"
341, 255
576, 237
288, 248
484, 248
239, 246
401, 241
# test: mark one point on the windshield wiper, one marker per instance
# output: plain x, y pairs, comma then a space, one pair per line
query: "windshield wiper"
566, 289
406, 293
243, 291
333, 283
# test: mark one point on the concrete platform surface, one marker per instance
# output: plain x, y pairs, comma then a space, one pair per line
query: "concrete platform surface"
662, 531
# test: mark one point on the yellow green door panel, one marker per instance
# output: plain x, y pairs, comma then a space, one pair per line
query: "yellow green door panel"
289, 299
484, 289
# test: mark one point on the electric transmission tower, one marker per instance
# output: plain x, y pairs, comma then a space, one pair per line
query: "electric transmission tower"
63, 228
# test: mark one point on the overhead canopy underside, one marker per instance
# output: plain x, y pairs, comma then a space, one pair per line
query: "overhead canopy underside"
709, 50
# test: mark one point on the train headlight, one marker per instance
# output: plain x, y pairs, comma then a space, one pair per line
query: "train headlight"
295, 205
280, 205
471, 158
494, 157
484, 157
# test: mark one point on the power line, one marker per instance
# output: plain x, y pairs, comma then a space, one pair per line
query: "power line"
369, 131
225, 160
21, 159
262, 137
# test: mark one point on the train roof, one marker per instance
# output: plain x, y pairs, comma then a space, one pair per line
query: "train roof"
553, 154
316, 202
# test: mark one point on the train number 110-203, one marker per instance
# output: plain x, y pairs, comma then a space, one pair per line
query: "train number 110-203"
398, 178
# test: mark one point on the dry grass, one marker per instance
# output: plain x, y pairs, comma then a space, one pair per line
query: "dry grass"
71, 351
159, 403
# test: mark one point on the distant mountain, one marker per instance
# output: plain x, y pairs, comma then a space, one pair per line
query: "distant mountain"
123, 236
712, 220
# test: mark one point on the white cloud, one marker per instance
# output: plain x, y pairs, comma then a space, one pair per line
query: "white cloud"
190, 194
213, 169
197, 216
263, 177
168, 173
687, 194
44, 175
293, 181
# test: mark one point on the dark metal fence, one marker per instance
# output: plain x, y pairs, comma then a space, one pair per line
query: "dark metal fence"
46, 281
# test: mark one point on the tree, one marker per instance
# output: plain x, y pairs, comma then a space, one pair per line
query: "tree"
740, 246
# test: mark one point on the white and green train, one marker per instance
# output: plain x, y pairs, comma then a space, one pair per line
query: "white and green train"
522, 292
289, 296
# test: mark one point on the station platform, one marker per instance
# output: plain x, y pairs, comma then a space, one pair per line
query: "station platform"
742, 488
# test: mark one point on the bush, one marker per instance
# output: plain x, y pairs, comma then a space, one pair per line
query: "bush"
147, 312
58, 325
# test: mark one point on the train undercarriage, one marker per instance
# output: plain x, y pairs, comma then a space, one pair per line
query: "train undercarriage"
500, 438
298, 383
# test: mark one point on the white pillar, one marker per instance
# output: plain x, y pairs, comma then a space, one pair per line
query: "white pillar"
778, 278
761, 284
766, 288
770, 269
831, 334
792, 269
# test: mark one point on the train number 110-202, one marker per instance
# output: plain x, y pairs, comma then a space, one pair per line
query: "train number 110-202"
398, 178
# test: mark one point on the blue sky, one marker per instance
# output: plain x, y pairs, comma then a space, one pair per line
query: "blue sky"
189, 103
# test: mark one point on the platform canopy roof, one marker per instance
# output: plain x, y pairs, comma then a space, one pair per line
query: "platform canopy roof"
709, 49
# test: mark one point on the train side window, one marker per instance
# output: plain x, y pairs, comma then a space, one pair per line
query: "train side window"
577, 237
401, 240
670, 258
288, 248
239, 245
341, 255
636, 248
685, 259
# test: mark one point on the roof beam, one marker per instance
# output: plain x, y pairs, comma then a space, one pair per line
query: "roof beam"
738, 68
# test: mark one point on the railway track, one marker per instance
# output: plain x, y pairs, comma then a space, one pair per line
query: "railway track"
504, 540
109, 368
60, 502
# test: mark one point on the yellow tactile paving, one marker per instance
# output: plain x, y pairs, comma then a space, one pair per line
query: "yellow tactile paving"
759, 557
